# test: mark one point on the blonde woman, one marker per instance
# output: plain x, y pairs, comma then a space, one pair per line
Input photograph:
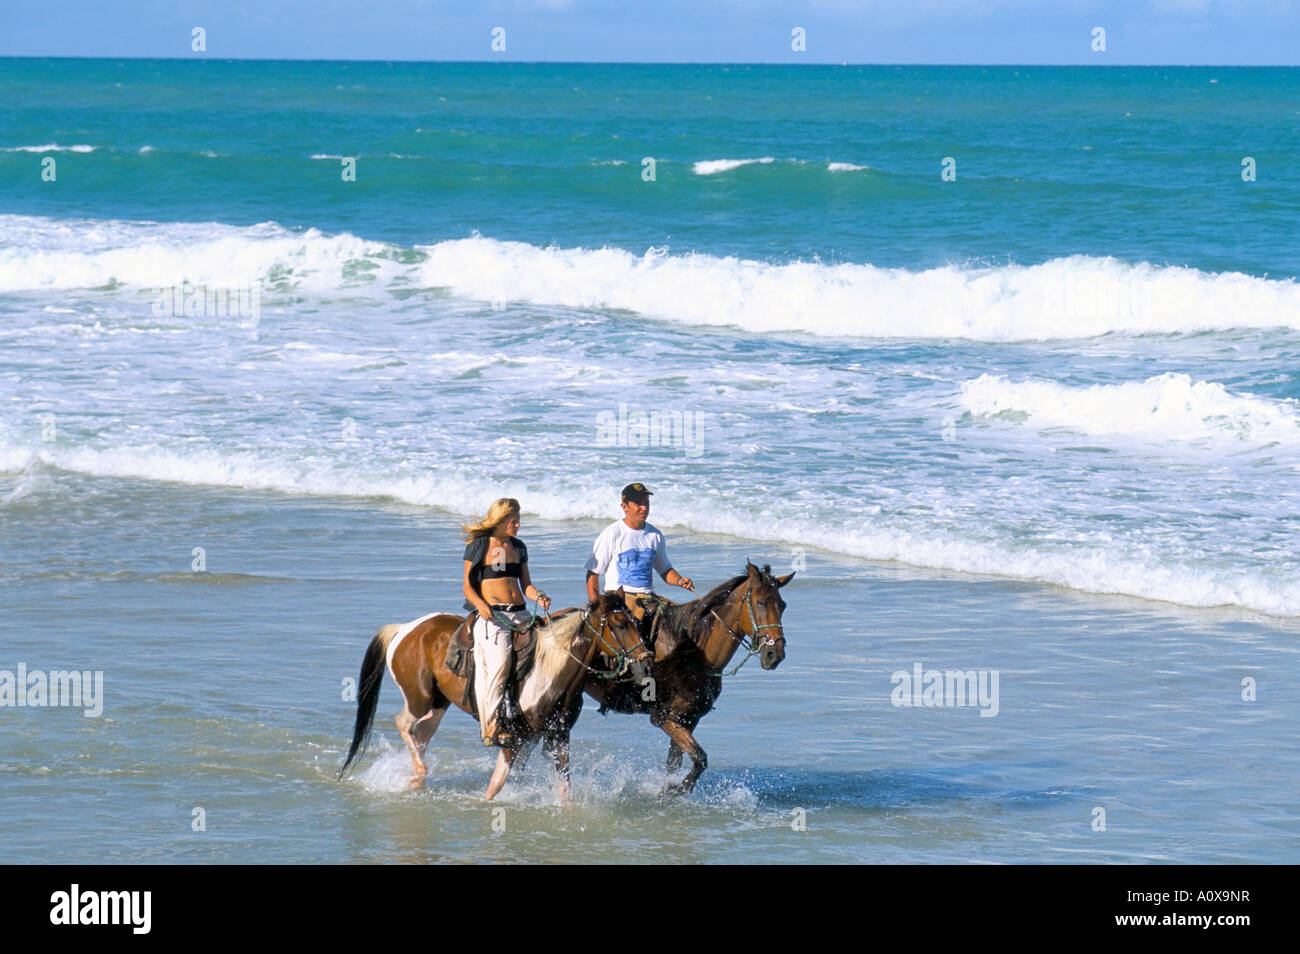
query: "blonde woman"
495, 585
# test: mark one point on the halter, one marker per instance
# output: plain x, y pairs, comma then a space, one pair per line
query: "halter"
754, 644
623, 657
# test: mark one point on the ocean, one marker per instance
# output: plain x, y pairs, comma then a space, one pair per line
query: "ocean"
1001, 360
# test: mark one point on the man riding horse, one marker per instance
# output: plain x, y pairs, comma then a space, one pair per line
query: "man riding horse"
628, 552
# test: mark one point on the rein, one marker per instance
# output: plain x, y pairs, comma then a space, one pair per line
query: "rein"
622, 657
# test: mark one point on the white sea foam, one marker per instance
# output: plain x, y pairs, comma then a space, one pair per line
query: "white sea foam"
1106, 567
1069, 298
844, 167
288, 472
1100, 565
1075, 297
52, 147
710, 167
41, 254
1168, 406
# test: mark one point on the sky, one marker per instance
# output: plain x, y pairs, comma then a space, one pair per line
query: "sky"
1149, 32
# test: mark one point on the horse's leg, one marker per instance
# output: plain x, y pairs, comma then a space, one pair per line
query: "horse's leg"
521, 756
416, 730
505, 758
557, 743
423, 703
422, 731
682, 739
557, 747
674, 758
406, 720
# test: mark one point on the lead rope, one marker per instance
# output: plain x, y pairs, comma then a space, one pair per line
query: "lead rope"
622, 656
506, 623
536, 603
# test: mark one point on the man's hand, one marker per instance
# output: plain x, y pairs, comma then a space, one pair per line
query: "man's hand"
683, 581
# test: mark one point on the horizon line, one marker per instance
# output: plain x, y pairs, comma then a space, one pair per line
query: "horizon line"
839, 64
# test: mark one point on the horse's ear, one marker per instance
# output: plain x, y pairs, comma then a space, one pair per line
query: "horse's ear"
750, 568
783, 580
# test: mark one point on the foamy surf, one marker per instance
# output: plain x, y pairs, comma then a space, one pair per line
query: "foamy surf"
1062, 299
52, 147
1107, 563
1169, 406
1077, 297
710, 167
40, 254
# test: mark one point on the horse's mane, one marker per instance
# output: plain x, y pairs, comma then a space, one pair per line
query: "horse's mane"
553, 643
694, 620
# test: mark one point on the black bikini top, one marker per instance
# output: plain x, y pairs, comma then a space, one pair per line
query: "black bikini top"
480, 570
490, 572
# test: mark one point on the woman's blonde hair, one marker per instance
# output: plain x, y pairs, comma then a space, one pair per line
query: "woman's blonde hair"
502, 509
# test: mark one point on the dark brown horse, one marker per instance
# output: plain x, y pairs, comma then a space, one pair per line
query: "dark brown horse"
600, 642
693, 643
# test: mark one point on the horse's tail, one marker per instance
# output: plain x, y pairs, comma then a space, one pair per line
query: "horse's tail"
370, 679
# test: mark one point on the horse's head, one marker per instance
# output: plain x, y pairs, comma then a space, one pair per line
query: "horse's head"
762, 619
619, 648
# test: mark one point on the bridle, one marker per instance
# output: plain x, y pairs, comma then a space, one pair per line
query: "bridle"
622, 657
755, 642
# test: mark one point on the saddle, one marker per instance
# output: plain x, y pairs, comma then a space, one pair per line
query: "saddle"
460, 659
652, 607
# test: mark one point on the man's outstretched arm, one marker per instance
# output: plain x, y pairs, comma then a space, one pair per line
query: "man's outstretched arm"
673, 578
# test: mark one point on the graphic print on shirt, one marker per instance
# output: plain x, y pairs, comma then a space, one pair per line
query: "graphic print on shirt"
634, 568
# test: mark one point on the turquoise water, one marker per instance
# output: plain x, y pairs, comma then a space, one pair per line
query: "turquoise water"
1140, 163
1042, 419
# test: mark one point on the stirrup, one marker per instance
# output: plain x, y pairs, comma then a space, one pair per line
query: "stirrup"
501, 737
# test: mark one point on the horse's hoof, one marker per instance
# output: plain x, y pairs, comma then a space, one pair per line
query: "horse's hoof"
674, 791
417, 781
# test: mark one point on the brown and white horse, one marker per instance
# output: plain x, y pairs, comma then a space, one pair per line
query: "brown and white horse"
599, 642
693, 643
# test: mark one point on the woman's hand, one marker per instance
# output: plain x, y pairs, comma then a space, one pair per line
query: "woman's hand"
543, 601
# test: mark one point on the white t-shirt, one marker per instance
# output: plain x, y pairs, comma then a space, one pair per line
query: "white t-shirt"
627, 557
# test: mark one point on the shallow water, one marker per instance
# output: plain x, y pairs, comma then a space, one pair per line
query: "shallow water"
223, 691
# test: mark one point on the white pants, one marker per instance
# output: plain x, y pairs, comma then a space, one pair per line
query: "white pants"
492, 646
